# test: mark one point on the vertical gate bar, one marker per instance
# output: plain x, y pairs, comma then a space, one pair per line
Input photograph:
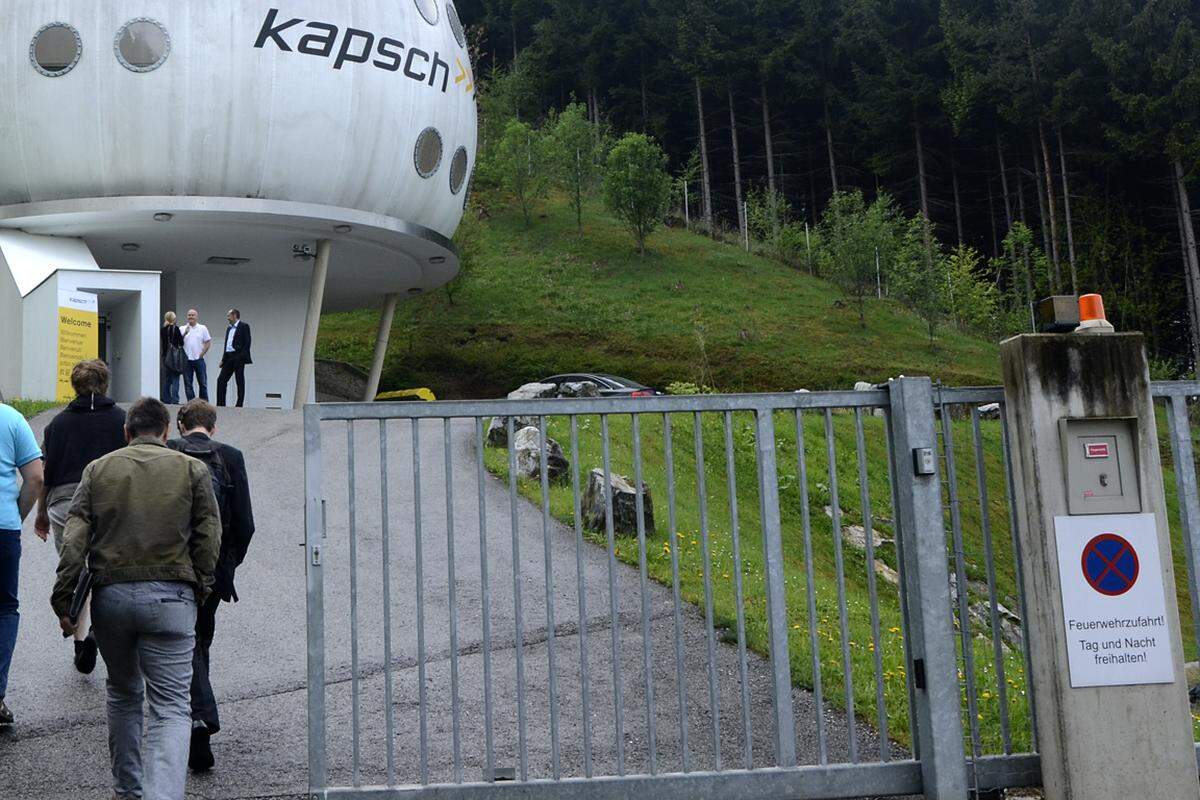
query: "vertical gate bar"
735, 535
314, 534
356, 775
705, 552
384, 529
673, 543
964, 589
640, 510
898, 535
618, 704
1010, 501
989, 557
544, 470
1189, 502
814, 641
843, 613
485, 602
929, 625
776, 590
584, 672
455, 711
419, 567
519, 633
864, 491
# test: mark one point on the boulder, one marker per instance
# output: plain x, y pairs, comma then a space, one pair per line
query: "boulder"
533, 391
579, 389
527, 443
497, 432
864, 386
624, 503
856, 536
887, 573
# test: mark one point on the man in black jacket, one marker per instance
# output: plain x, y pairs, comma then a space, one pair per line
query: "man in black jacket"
234, 357
90, 427
197, 422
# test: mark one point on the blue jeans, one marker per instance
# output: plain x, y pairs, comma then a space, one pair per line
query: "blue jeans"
146, 632
200, 370
170, 387
10, 560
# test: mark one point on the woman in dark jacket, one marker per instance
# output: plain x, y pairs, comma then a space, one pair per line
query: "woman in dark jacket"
90, 427
169, 335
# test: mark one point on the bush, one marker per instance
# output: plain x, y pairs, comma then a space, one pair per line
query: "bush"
637, 187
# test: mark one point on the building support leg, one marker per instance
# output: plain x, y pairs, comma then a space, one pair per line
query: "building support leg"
381, 346
312, 322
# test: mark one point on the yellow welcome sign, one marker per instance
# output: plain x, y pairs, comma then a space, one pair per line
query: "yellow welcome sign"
78, 336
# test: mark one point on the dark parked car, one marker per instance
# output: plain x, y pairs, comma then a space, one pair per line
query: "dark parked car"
610, 385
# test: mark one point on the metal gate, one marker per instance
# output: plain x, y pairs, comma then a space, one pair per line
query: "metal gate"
491, 614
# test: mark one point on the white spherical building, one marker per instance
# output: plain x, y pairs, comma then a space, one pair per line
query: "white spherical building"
277, 157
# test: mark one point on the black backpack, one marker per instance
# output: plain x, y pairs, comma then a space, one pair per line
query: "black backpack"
210, 454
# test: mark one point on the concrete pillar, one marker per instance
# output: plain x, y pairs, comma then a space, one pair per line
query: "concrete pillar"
1097, 742
381, 346
312, 323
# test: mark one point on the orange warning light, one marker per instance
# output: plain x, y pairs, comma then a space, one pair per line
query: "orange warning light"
1091, 307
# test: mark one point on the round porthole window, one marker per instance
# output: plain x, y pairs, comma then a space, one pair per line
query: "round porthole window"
456, 25
458, 170
429, 10
55, 49
428, 155
142, 45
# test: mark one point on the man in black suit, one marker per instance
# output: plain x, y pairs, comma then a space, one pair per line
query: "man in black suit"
197, 422
234, 357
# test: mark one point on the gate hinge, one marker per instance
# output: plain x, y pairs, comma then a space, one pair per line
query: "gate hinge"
316, 555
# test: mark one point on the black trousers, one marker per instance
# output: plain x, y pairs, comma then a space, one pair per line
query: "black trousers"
204, 703
238, 371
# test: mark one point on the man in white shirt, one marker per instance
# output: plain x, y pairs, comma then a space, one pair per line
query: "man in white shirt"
196, 341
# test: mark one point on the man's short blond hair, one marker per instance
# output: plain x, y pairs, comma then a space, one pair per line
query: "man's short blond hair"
197, 414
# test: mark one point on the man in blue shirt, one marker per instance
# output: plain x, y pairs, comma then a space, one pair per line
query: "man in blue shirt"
19, 452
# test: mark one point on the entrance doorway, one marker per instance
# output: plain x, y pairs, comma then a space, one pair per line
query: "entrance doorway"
120, 340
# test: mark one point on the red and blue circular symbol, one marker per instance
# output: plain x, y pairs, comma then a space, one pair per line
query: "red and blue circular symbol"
1110, 565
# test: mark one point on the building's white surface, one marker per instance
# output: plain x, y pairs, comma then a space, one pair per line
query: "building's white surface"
208, 141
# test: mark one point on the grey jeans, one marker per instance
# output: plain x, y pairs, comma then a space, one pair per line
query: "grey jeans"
146, 632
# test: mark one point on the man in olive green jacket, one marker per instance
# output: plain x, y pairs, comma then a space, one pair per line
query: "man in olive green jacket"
145, 519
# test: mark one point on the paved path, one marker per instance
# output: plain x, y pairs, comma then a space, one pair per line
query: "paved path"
58, 749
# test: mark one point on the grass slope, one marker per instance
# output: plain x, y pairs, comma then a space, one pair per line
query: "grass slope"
31, 408
541, 300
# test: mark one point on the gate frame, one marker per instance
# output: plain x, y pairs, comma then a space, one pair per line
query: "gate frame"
938, 768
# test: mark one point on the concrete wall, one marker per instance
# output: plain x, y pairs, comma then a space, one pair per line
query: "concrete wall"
274, 309
39, 346
10, 333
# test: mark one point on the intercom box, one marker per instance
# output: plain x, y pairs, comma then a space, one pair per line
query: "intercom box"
1100, 461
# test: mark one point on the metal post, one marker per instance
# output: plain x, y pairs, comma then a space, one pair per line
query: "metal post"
314, 535
381, 345
687, 212
929, 627
777, 616
878, 276
807, 248
312, 322
746, 223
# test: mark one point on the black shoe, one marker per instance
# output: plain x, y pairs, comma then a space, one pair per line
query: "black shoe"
85, 655
200, 757
6, 716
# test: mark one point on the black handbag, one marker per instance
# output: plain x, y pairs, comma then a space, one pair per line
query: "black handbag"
175, 360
